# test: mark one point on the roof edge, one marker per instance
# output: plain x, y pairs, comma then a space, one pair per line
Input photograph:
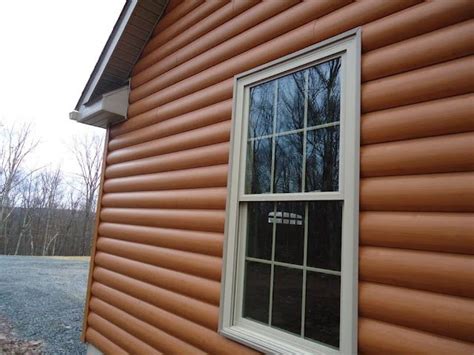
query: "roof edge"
120, 36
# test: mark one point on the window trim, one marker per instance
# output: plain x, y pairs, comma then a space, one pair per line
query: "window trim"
248, 332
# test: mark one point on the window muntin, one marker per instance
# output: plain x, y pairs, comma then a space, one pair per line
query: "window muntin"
263, 237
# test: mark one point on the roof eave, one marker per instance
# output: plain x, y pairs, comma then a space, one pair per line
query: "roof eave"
105, 78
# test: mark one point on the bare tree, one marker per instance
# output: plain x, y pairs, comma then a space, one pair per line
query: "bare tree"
16, 143
51, 201
88, 153
27, 194
73, 218
42, 213
48, 219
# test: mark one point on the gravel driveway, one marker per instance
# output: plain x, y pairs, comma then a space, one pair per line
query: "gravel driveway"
42, 299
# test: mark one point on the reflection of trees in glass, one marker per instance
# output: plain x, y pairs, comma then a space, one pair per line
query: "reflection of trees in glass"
261, 109
276, 230
322, 159
290, 104
259, 165
322, 144
324, 93
259, 155
288, 163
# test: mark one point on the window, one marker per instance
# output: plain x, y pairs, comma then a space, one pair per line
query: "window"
290, 262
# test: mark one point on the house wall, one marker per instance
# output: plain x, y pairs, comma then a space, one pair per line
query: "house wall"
155, 284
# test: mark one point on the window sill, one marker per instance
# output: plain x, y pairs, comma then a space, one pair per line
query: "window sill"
268, 344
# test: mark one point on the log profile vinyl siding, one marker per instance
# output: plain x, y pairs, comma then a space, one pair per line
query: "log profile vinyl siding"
156, 277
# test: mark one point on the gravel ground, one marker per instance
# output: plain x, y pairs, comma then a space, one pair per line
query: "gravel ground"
42, 299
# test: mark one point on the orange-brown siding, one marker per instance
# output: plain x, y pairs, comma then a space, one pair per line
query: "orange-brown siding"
155, 281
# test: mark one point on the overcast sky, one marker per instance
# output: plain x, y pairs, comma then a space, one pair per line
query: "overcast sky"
48, 49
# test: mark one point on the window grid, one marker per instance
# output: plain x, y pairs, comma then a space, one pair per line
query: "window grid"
293, 266
303, 130
273, 262
299, 130
304, 268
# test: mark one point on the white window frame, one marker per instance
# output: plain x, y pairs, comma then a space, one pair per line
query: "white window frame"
231, 324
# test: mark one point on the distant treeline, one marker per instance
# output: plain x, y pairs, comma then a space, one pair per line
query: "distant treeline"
44, 211
44, 231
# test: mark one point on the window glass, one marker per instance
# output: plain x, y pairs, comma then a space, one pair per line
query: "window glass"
322, 159
287, 292
324, 234
290, 104
260, 230
262, 101
259, 165
289, 238
322, 307
287, 243
257, 291
293, 138
288, 163
294, 247
324, 93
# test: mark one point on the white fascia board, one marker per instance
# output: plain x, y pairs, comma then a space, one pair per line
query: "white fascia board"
111, 108
108, 51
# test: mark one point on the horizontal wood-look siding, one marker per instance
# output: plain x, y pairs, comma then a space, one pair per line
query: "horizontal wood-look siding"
156, 279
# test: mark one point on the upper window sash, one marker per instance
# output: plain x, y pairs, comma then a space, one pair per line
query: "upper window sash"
242, 109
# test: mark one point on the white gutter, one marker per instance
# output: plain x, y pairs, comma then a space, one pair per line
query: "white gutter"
111, 108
